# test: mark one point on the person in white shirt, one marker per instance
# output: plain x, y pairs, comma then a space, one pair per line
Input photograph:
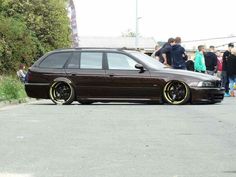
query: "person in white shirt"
21, 73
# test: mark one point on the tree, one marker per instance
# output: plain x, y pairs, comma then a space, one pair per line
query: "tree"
16, 44
29, 28
128, 33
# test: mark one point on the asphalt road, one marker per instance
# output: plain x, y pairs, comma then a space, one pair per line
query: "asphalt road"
118, 140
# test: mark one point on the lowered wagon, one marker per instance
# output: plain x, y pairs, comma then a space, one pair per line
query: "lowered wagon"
91, 75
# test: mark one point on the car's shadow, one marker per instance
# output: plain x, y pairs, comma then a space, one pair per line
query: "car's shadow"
126, 104
95, 104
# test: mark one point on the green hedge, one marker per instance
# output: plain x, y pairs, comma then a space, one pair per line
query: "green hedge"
29, 29
11, 89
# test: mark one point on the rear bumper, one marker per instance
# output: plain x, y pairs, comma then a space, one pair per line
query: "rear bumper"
207, 95
37, 90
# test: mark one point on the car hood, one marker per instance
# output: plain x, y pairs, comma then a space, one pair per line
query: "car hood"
187, 74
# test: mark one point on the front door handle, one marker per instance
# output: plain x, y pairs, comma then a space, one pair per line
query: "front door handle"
72, 74
111, 74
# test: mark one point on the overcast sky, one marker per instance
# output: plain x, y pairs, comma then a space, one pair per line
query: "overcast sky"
161, 19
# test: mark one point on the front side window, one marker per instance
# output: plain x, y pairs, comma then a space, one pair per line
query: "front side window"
55, 61
149, 61
120, 62
91, 60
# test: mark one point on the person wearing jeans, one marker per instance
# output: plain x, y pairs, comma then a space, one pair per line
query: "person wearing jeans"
224, 74
232, 82
231, 70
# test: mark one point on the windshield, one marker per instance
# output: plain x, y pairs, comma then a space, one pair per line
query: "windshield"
151, 62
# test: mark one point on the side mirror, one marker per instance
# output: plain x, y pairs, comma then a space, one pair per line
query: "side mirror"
140, 67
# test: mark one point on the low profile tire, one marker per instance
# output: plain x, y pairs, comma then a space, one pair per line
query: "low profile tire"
62, 93
86, 102
176, 93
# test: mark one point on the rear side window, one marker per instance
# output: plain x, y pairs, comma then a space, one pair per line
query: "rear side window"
91, 60
55, 61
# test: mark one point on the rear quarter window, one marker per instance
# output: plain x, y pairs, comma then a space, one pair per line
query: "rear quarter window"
55, 60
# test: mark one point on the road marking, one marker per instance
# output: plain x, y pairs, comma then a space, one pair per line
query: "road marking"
20, 137
14, 175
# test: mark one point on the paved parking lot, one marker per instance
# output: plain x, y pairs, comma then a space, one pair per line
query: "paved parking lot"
40, 139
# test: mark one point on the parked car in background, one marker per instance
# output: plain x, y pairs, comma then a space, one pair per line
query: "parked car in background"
102, 75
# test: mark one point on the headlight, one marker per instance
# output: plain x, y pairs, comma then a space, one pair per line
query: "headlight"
202, 84
207, 84
193, 84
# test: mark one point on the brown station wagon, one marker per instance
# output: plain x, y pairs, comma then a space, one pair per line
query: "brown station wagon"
91, 75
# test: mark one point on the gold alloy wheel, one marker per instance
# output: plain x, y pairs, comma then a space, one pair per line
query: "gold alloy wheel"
61, 93
176, 93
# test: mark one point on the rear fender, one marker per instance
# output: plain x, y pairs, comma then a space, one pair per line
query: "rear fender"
63, 79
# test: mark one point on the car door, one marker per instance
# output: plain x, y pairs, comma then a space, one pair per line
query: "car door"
85, 70
125, 81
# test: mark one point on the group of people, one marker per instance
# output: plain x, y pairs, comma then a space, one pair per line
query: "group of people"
210, 62
172, 54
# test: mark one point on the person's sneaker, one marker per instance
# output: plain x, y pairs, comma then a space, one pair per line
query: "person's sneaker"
232, 93
227, 95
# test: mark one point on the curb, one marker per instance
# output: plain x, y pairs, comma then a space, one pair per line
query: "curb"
15, 102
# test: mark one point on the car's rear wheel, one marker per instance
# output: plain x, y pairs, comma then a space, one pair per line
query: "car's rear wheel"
176, 93
62, 93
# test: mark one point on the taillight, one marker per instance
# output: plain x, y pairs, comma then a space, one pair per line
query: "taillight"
28, 76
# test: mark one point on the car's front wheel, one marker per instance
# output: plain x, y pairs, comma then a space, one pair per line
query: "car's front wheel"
176, 93
62, 93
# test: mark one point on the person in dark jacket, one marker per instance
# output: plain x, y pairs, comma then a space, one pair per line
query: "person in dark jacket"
211, 61
224, 76
164, 53
178, 55
189, 64
231, 71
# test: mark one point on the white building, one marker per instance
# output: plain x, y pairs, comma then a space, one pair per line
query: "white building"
145, 44
219, 43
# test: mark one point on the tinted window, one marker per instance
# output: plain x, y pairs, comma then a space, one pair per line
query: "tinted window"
56, 60
91, 60
120, 61
154, 63
74, 62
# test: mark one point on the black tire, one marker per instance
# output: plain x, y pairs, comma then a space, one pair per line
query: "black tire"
62, 93
176, 93
86, 102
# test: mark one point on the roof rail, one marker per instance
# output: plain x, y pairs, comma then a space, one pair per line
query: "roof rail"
105, 48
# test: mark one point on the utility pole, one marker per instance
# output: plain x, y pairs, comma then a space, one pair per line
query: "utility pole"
73, 21
137, 32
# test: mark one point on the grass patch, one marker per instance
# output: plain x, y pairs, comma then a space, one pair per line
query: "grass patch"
11, 89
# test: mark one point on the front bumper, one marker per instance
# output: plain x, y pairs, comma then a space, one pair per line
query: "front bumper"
207, 95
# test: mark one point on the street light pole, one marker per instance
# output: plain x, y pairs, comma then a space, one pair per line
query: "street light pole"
137, 32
